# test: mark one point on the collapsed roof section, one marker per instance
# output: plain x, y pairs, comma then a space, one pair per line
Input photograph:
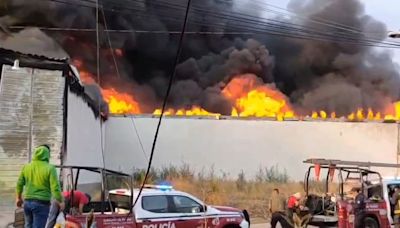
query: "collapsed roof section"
91, 95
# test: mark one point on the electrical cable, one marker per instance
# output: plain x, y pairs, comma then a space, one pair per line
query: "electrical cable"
171, 79
109, 43
117, 71
334, 25
309, 34
177, 6
98, 80
139, 138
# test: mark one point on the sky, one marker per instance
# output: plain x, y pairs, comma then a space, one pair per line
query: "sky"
386, 11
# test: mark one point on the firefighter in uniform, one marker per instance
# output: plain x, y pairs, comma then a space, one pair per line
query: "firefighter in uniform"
293, 204
359, 208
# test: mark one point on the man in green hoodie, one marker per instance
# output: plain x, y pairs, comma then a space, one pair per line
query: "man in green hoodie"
39, 182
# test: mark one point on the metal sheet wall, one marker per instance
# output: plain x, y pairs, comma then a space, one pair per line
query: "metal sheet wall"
31, 104
233, 145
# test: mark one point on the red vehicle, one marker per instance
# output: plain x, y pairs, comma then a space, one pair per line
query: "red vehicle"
100, 211
337, 209
158, 206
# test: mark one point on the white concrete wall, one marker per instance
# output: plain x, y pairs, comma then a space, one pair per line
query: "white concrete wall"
83, 136
232, 145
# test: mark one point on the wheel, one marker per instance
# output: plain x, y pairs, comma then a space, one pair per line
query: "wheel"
232, 226
370, 223
246, 216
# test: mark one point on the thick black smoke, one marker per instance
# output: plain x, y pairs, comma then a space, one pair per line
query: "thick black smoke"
327, 75
335, 76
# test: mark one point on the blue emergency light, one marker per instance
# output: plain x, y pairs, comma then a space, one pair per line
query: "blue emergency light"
163, 186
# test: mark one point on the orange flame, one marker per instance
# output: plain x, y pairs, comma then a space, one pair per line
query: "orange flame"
252, 98
118, 102
194, 111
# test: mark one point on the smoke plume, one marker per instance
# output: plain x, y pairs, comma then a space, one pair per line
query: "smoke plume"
314, 74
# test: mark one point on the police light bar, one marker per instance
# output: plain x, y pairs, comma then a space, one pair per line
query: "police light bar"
159, 187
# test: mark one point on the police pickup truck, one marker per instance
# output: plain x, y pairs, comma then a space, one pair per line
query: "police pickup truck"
160, 206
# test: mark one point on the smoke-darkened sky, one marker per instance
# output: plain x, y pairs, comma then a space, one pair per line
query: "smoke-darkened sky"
385, 11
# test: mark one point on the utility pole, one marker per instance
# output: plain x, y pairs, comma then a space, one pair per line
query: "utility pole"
396, 35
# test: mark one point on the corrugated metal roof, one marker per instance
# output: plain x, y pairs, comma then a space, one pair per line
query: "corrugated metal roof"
35, 43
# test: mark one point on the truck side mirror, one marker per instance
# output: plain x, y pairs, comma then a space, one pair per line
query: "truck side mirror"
203, 208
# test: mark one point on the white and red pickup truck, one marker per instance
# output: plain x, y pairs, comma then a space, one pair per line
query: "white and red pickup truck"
160, 206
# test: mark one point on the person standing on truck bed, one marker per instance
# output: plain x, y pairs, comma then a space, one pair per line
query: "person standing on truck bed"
359, 208
39, 182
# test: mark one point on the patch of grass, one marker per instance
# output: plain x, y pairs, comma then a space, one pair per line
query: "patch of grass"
214, 188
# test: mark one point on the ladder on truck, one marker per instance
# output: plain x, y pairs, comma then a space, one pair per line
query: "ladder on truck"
333, 162
349, 167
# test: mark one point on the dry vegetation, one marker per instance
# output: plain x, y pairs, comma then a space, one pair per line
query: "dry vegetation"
217, 189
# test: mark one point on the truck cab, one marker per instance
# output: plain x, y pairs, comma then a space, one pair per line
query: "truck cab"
117, 204
163, 206
388, 187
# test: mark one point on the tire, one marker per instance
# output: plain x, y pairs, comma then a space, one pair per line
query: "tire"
232, 226
246, 216
370, 223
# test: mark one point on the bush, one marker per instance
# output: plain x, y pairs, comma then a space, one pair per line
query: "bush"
272, 175
218, 189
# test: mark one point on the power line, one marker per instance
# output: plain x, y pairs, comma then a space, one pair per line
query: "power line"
139, 138
119, 76
258, 18
328, 23
256, 26
301, 33
177, 57
109, 43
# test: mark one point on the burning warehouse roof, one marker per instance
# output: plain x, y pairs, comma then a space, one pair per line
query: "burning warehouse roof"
318, 62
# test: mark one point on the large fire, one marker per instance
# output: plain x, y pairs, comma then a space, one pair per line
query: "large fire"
118, 102
249, 98
194, 111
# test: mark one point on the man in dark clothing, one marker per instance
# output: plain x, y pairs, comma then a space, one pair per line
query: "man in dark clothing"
359, 208
276, 204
